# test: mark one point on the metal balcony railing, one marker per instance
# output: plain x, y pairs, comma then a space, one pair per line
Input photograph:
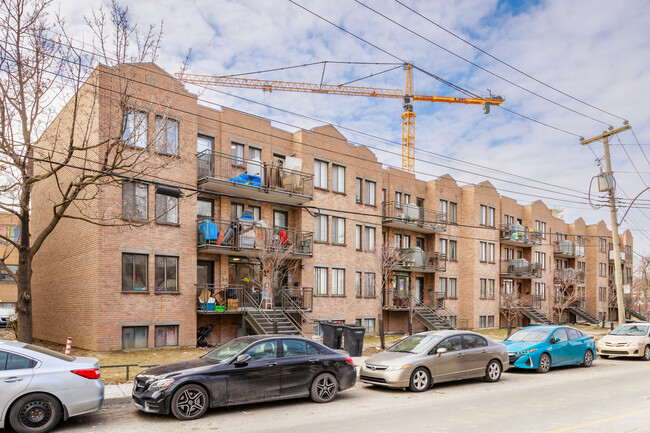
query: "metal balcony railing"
612, 256
273, 176
254, 236
520, 268
298, 298
411, 215
219, 298
568, 248
399, 299
516, 233
414, 259
569, 274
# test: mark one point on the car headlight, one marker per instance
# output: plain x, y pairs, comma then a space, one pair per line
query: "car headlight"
523, 352
160, 384
398, 367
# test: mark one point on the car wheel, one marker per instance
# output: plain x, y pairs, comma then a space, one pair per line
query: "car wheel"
544, 363
189, 402
35, 413
588, 359
492, 371
646, 353
324, 388
420, 380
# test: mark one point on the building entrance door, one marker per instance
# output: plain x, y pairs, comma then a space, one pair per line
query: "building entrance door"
419, 289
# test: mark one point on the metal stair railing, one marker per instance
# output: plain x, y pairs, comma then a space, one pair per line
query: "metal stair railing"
260, 310
420, 305
289, 304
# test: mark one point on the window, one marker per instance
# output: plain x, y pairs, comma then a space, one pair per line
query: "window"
540, 290
407, 198
398, 200
602, 269
383, 195
10, 231
358, 189
166, 274
540, 226
602, 294
338, 230
338, 178
320, 174
166, 336
134, 201
419, 242
487, 215
442, 285
370, 193
320, 228
134, 272
490, 288
452, 216
166, 209
369, 240
254, 153
166, 135
357, 283
298, 348
4, 275
398, 241
507, 286
452, 288
482, 321
338, 282
490, 321
370, 285
483, 252
358, 322
540, 257
407, 241
265, 350
135, 337
444, 205
452, 344
452, 250
370, 325
11, 361
320, 280
204, 208
358, 230
443, 246
487, 252
474, 341
483, 288
237, 155
280, 219
490, 256
135, 129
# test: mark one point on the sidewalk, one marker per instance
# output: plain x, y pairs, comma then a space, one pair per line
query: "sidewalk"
118, 394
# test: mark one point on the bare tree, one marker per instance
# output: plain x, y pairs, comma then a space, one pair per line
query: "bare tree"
567, 294
511, 305
47, 144
386, 257
641, 287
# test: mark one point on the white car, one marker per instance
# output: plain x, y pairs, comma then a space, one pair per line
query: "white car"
632, 339
39, 387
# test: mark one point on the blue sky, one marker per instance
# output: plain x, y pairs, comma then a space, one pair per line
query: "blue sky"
595, 51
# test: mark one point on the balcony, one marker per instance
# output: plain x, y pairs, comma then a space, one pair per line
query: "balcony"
520, 268
233, 298
569, 275
397, 299
518, 235
612, 256
252, 238
416, 260
251, 178
568, 249
409, 216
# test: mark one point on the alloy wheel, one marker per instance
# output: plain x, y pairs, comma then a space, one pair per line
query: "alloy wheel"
419, 380
493, 371
190, 403
588, 359
325, 388
646, 353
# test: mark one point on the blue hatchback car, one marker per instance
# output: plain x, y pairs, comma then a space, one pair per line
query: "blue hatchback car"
540, 347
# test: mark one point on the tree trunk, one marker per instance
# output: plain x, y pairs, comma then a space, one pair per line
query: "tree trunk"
24, 302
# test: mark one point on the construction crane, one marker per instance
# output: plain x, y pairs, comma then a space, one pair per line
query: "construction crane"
407, 96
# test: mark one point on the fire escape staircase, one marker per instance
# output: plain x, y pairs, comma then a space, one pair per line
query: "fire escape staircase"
637, 315
536, 315
265, 321
430, 318
581, 312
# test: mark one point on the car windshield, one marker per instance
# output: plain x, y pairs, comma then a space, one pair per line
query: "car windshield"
414, 344
529, 335
226, 351
633, 330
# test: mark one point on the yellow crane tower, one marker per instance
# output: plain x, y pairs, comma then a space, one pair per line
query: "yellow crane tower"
407, 96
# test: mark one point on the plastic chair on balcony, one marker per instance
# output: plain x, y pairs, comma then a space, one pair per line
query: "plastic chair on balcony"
266, 302
304, 246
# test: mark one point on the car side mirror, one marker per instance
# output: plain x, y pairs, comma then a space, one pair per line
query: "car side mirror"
441, 350
242, 359
554, 340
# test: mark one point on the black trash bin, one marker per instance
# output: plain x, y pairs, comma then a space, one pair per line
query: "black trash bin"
332, 334
353, 339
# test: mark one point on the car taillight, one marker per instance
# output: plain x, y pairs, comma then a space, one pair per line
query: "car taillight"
88, 373
349, 361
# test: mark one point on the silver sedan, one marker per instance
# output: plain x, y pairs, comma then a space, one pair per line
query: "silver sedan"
40, 387
419, 361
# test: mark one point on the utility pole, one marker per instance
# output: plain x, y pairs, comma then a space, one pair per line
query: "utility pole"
618, 275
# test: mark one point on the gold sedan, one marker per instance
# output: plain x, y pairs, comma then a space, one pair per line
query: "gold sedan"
632, 339
423, 359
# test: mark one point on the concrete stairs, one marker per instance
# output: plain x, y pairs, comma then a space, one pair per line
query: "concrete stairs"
536, 316
581, 312
263, 322
431, 319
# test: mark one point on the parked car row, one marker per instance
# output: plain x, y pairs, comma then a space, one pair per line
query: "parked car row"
40, 387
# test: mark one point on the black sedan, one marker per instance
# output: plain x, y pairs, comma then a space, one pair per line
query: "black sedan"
245, 370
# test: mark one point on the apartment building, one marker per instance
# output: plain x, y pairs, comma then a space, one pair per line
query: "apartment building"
9, 228
249, 228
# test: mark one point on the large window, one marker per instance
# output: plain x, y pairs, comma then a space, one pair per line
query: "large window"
487, 215
134, 201
452, 250
442, 245
320, 280
370, 192
166, 336
134, 272
444, 205
369, 240
166, 208
486, 252
237, 155
486, 288
338, 282
452, 216
370, 285
135, 337
204, 208
442, 286
540, 290
338, 178
320, 174
320, 228
338, 230
540, 226
369, 324
166, 274
135, 129
166, 135
452, 288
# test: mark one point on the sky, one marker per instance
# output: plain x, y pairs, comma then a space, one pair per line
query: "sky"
585, 67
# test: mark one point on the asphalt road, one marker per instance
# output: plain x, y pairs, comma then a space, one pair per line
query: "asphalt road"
612, 396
